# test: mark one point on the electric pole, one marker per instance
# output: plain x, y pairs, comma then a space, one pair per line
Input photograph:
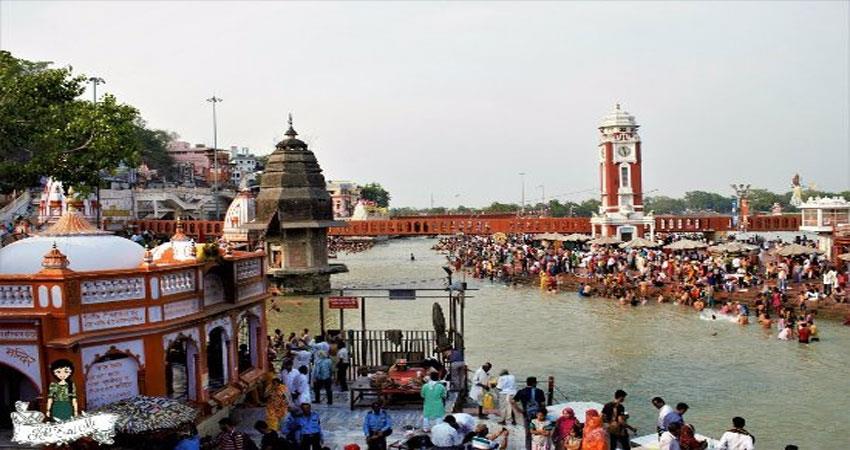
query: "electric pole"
215, 100
94, 82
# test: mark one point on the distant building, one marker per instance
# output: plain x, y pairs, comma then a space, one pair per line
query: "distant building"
243, 165
195, 164
344, 197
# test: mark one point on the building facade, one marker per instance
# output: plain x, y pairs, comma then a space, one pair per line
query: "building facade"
621, 213
195, 163
344, 197
182, 321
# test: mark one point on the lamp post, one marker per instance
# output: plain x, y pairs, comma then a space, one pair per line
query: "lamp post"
542, 188
522, 178
215, 100
94, 82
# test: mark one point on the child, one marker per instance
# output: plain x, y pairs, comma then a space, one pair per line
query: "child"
573, 441
541, 429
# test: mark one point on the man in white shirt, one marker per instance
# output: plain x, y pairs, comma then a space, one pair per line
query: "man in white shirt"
480, 383
445, 435
300, 387
670, 439
507, 388
663, 409
301, 358
737, 438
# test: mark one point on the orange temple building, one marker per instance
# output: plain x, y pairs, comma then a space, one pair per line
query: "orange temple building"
180, 320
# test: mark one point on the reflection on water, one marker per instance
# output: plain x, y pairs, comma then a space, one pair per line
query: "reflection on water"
788, 392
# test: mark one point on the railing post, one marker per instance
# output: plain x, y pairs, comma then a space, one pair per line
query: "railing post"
550, 391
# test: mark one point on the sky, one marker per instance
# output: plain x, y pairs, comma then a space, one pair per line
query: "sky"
453, 100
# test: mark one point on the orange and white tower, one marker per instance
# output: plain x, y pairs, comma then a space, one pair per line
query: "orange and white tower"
621, 213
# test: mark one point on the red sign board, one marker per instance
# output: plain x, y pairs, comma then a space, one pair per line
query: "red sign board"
342, 303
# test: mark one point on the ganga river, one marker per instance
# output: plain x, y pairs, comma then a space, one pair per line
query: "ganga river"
788, 392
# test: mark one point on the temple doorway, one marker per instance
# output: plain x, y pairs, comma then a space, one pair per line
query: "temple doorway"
181, 363
217, 358
14, 386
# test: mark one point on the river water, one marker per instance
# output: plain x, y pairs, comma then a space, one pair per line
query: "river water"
788, 392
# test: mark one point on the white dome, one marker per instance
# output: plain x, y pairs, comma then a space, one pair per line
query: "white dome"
85, 253
618, 118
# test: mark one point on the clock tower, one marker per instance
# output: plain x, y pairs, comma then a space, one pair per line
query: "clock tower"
621, 187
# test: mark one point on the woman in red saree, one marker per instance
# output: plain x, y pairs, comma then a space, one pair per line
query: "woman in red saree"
563, 426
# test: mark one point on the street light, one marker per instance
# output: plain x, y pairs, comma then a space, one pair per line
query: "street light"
542, 188
215, 100
522, 177
95, 81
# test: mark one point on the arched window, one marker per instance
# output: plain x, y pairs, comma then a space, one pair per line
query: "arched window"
624, 175
181, 363
218, 358
247, 339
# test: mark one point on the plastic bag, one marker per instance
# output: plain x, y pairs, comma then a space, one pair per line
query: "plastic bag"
488, 402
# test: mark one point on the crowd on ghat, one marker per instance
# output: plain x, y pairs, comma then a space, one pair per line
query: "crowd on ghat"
781, 290
337, 244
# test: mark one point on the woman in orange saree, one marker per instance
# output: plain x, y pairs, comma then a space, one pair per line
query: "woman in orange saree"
595, 437
277, 404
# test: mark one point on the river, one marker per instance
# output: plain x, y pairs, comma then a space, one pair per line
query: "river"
788, 392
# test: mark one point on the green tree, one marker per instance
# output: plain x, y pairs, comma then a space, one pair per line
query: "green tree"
45, 129
154, 149
587, 208
707, 201
376, 193
762, 200
664, 205
501, 208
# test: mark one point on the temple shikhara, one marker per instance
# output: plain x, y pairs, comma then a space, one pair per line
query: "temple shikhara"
181, 320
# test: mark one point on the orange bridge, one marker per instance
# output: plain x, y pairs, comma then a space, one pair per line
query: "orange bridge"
202, 230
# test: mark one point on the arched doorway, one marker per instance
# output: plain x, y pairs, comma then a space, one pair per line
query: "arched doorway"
14, 386
217, 357
181, 367
248, 340
112, 377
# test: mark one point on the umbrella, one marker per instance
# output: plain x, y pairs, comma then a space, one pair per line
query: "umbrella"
732, 247
797, 250
639, 243
549, 237
844, 257
145, 414
577, 237
605, 240
685, 244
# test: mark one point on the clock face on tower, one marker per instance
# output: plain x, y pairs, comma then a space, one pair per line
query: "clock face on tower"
624, 151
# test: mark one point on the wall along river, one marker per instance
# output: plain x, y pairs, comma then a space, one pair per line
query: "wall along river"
788, 392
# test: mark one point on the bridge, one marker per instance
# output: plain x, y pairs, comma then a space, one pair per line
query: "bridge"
201, 230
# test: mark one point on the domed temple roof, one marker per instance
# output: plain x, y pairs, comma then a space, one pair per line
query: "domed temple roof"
293, 185
86, 248
618, 118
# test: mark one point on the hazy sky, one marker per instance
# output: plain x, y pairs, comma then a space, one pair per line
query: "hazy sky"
456, 99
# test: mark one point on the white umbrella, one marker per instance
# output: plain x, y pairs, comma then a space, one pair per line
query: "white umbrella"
797, 250
549, 237
577, 237
685, 244
606, 240
732, 247
640, 243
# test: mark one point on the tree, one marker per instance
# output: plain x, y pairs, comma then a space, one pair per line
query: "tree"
154, 149
587, 208
45, 130
707, 201
664, 205
376, 193
500, 208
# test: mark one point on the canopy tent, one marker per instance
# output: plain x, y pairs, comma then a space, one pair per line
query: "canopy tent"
640, 243
685, 244
797, 250
605, 240
577, 237
732, 248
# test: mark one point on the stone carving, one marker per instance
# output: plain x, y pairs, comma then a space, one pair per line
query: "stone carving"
247, 269
16, 296
112, 290
178, 282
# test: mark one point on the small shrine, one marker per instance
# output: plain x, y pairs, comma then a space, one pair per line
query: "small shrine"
55, 201
295, 209
180, 320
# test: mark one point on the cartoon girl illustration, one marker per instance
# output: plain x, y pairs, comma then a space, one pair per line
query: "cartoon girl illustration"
61, 395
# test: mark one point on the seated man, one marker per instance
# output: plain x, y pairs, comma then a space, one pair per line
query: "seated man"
484, 441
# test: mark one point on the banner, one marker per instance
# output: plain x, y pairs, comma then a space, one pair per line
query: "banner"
342, 302
29, 430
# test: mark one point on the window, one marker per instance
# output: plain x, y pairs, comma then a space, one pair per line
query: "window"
217, 358
624, 176
247, 337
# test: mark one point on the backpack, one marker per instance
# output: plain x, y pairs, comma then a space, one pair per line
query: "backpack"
533, 406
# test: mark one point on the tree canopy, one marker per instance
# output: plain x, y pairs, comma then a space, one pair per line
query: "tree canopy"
47, 130
376, 193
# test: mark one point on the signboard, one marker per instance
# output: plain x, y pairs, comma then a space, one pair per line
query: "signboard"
402, 294
30, 430
343, 303
179, 309
113, 319
110, 381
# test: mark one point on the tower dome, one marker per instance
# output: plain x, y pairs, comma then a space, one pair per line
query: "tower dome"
618, 118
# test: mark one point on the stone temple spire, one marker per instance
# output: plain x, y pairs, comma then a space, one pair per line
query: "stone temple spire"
291, 131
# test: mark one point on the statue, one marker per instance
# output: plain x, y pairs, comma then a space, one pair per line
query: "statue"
796, 191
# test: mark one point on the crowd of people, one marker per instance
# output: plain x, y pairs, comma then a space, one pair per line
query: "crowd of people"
782, 289
338, 244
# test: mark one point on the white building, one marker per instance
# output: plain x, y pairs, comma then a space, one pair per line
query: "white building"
244, 165
822, 215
